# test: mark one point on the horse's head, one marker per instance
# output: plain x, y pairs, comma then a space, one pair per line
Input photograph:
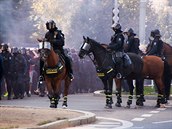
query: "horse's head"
85, 48
44, 50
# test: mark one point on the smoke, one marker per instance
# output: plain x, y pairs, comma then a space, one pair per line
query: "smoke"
22, 21
75, 18
14, 24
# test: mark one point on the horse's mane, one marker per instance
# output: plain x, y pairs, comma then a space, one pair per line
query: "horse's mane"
168, 44
102, 45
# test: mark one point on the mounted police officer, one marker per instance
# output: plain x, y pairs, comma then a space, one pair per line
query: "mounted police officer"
56, 38
132, 43
151, 38
7, 66
117, 46
156, 44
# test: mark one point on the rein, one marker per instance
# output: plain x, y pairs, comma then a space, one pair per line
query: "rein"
94, 60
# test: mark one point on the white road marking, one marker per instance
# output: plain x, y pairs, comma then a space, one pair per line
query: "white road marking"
168, 106
154, 112
107, 124
146, 115
138, 119
125, 124
162, 122
161, 109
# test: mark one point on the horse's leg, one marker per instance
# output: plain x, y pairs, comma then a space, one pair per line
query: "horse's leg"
131, 88
161, 93
118, 92
51, 93
54, 99
107, 93
167, 80
66, 90
139, 91
110, 85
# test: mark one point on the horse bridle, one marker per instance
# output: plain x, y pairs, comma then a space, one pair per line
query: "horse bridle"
86, 47
44, 49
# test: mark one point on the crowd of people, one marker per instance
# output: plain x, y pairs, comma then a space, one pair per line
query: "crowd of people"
21, 71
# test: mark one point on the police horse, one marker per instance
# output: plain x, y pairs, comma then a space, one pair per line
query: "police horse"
149, 67
54, 72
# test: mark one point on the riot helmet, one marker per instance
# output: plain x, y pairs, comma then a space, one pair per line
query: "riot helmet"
14, 50
157, 33
152, 34
23, 50
131, 31
50, 25
116, 27
5, 47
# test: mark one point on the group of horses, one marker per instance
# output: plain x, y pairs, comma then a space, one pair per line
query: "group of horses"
142, 67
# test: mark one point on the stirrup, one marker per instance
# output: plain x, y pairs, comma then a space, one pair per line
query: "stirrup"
118, 76
71, 76
41, 78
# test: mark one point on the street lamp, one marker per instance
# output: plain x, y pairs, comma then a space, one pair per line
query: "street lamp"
142, 20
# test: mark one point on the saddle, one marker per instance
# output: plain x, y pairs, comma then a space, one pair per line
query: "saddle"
122, 63
52, 72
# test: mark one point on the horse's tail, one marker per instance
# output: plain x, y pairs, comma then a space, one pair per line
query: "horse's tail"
167, 79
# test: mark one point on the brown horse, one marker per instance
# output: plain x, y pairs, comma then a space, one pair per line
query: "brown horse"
55, 72
153, 68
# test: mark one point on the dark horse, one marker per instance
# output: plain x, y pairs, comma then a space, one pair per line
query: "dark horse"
167, 53
55, 72
149, 67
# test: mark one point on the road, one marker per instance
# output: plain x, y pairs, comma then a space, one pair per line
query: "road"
147, 117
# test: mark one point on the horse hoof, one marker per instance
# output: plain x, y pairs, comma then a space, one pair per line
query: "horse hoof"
137, 107
108, 107
157, 106
64, 107
53, 106
139, 103
162, 106
128, 106
118, 105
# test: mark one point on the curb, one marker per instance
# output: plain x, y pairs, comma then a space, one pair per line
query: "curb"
151, 97
86, 119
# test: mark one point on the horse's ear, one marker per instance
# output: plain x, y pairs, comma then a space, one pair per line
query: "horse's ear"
84, 38
88, 38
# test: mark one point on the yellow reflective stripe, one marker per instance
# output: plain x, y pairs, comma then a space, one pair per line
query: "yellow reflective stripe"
100, 74
110, 70
50, 71
61, 67
108, 95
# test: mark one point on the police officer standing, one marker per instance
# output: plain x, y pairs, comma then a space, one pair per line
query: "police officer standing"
7, 66
20, 69
1, 71
56, 38
27, 77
